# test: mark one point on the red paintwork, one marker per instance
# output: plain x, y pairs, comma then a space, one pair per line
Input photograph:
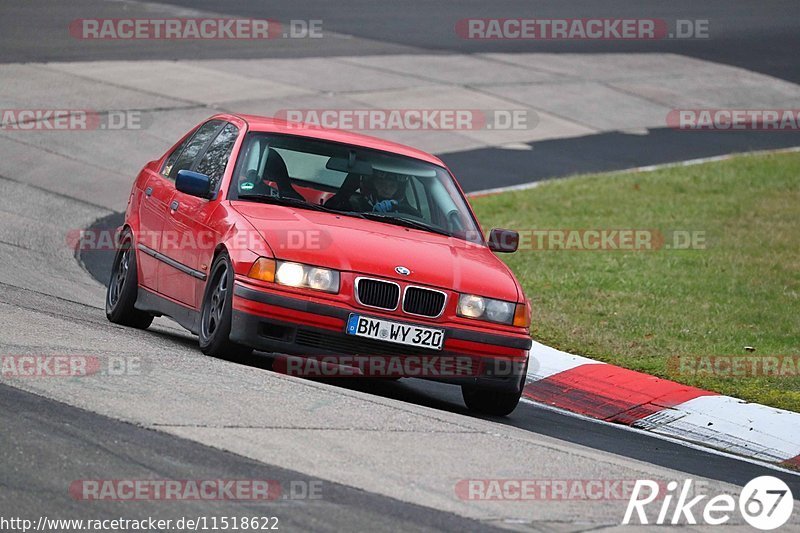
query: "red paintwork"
371, 247
354, 246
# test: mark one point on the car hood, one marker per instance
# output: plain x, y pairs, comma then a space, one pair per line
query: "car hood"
376, 248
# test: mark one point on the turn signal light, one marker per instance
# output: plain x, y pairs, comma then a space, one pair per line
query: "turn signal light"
263, 269
522, 315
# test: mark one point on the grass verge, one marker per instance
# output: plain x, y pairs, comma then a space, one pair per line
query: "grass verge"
682, 314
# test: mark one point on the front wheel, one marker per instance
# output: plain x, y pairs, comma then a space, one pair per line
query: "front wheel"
217, 312
494, 402
490, 402
123, 289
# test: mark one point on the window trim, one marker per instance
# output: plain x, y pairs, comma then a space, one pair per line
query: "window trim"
205, 149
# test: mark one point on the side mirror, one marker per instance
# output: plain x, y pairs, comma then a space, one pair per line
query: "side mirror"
193, 183
503, 240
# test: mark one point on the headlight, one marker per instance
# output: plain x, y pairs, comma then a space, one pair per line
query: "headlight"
499, 311
321, 279
309, 277
471, 306
291, 274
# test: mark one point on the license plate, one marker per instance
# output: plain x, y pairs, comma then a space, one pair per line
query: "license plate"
389, 331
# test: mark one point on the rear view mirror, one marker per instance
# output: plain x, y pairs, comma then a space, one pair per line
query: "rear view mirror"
354, 166
193, 183
503, 240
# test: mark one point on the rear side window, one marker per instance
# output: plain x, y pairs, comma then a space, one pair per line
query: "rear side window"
216, 157
170, 162
192, 148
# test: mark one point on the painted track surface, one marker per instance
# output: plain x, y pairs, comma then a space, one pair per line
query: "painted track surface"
395, 444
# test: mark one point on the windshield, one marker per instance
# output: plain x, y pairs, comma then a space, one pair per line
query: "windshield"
355, 181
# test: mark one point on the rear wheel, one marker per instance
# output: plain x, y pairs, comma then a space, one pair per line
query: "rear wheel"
217, 312
123, 288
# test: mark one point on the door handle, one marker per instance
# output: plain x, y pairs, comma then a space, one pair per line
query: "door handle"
174, 205
148, 192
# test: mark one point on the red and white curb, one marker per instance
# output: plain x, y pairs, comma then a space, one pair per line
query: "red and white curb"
618, 395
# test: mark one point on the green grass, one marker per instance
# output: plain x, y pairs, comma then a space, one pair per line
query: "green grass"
636, 309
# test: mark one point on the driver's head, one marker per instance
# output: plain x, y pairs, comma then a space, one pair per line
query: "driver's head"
387, 186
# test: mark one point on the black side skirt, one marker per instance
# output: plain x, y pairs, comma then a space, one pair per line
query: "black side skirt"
158, 305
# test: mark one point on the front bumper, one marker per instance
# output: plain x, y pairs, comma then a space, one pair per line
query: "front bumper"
279, 323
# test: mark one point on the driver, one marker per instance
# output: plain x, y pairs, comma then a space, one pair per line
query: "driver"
383, 192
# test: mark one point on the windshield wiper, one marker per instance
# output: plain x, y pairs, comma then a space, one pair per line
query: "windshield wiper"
285, 200
405, 222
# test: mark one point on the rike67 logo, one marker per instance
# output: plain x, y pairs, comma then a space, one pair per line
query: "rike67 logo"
766, 503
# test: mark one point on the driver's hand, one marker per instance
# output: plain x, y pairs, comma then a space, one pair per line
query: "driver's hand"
385, 206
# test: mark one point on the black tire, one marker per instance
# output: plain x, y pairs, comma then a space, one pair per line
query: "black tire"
494, 402
217, 311
123, 288
490, 402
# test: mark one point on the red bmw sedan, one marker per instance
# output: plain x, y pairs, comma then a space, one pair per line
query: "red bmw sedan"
327, 247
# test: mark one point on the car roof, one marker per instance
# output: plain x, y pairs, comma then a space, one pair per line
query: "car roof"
275, 125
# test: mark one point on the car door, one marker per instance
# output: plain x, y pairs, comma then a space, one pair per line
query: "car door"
153, 207
191, 241
182, 157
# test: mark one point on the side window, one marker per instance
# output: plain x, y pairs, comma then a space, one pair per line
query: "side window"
170, 162
198, 141
216, 157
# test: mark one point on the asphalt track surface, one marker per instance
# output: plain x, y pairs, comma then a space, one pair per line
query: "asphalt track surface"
37, 432
47, 444
761, 37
